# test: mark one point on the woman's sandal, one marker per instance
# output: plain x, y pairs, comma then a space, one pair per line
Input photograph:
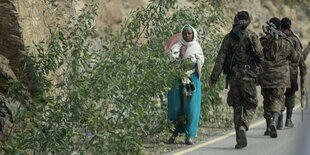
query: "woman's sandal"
189, 142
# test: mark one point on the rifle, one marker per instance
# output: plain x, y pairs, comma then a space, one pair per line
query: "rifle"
306, 98
306, 92
227, 66
255, 62
271, 29
307, 103
303, 96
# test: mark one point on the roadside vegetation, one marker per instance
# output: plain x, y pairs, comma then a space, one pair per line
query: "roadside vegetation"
110, 100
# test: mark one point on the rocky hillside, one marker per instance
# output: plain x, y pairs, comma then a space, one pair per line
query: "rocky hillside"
35, 16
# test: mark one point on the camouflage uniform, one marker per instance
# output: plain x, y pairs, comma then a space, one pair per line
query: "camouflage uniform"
290, 92
276, 76
242, 95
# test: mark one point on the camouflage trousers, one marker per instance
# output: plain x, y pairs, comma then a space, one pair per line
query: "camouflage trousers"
273, 101
290, 98
242, 96
290, 92
290, 95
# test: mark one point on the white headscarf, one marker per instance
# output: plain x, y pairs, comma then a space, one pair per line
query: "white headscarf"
193, 51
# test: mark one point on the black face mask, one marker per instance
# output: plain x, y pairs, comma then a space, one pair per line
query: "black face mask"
239, 26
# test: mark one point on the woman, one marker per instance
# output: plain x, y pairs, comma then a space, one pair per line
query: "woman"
184, 98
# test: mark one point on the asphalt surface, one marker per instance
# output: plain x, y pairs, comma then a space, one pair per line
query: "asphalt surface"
290, 141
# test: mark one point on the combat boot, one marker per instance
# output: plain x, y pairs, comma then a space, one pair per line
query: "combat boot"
280, 122
288, 122
267, 132
241, 138
273, 129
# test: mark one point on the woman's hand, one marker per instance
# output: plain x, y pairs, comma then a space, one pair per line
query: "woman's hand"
182, 51
175, 63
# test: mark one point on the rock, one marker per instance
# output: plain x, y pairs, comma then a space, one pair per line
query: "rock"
11, 47
11, 41
8, 114
8, 106
6, 73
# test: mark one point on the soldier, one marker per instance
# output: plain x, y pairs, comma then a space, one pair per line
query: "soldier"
278, 51
236, 59
290, 92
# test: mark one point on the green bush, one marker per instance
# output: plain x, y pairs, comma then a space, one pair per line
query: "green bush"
105, 101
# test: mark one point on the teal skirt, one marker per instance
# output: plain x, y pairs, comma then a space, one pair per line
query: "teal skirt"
185, 116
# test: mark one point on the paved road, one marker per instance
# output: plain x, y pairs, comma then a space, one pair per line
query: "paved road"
295, 141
